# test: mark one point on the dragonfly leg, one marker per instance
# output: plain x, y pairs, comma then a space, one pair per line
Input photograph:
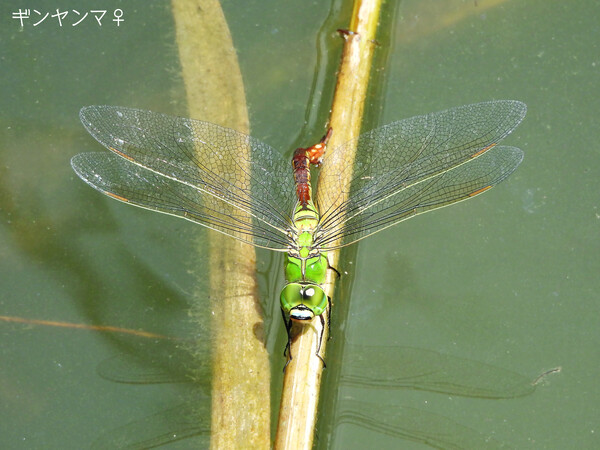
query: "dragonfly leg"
287, 351
328, 329
321, 338
329, 266
328, 317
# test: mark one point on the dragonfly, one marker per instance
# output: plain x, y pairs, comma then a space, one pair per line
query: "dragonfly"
237, 185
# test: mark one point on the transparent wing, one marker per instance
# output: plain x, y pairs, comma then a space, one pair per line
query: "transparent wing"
127, 182
205, 173
416, 165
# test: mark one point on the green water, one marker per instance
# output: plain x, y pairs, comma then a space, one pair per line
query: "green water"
509, 279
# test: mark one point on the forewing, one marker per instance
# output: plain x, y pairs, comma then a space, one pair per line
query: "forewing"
404, 153
227, 172
397, 169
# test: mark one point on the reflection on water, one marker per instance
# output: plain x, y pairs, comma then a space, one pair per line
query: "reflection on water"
161, 361
366, 367
414, 425
427, 370
171, 425
386, 367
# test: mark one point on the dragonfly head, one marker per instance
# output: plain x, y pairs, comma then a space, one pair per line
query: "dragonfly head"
302, 301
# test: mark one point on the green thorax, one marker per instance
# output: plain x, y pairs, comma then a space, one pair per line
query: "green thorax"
304, 263
302, 298
305, 222
311, 270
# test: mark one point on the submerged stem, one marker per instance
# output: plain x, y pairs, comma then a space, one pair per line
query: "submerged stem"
241, 374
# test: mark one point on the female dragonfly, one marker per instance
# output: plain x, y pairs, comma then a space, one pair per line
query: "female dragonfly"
239, 186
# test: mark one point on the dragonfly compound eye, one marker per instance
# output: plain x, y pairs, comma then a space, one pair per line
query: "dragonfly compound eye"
296, 297
315, 298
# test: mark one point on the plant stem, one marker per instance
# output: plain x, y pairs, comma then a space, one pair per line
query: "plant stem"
302, 380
